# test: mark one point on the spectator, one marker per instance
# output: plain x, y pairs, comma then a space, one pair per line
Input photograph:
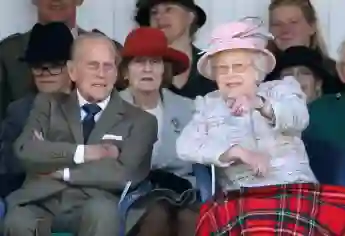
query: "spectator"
148, 66
295, 23
324, 138
80, 150
306, 66
250, 130
15, 76
48, 66
179, 20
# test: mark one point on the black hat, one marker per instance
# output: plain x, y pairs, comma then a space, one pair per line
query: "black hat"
302, 56
144, 6
48, 43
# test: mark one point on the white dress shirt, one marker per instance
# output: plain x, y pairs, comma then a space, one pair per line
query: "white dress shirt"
213, 130
79, 153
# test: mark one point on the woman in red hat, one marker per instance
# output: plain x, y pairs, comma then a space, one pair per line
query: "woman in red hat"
179, 20
148, 66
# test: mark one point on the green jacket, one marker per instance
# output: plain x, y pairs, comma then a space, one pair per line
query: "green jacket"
327, 120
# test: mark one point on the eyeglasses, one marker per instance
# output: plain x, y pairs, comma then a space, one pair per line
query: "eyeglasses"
52, 70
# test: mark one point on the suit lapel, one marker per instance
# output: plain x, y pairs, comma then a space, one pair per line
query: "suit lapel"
112, 115
71, 110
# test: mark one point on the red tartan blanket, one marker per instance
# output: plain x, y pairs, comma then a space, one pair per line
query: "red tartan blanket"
293, 209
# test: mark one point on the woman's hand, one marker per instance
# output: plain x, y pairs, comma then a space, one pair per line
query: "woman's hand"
258, 162
239, 106
243, 104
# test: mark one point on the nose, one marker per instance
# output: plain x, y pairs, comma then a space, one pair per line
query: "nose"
101, 72
147, 66
285, 29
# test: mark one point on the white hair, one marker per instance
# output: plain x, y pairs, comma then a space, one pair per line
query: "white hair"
260, 63
341, 52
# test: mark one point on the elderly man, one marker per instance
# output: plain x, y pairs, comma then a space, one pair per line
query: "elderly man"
15, 76
81, 149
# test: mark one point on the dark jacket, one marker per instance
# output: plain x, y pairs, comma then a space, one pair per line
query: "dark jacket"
11, 171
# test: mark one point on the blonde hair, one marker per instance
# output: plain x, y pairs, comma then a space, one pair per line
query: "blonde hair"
316, 42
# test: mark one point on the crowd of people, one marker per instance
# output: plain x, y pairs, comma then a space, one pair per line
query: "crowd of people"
82, 115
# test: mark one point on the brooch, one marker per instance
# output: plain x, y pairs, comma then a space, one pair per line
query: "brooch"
177, 125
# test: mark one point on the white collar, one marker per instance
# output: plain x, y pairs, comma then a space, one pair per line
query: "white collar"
102, 104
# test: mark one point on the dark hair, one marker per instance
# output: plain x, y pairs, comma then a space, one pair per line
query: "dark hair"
122, 82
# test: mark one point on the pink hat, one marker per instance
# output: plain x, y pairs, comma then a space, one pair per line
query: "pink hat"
244, 34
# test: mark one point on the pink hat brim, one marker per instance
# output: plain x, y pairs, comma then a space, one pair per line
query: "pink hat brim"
204, 66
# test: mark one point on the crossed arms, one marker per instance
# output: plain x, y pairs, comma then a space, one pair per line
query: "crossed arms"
112, 173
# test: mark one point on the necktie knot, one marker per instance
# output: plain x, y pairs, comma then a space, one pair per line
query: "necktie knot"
91, 109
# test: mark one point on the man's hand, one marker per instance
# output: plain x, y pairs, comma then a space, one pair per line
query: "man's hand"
99, 151
57, 175
38, 136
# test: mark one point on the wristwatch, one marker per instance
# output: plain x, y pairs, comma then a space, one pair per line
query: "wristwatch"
259, 103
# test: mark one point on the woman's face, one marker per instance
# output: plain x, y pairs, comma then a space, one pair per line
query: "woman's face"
310, 85
50, 78
289, 27
145, 73
235, 73
174, 20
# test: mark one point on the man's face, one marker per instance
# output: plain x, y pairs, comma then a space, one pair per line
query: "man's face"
56, 10
94, 68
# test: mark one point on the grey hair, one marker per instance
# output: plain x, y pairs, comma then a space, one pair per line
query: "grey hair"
341, 52
80, 40
260, 63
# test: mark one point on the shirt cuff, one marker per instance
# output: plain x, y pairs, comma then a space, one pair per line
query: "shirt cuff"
79, 155
66, 174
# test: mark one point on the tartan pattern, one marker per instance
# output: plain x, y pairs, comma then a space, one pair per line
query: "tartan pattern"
292, 209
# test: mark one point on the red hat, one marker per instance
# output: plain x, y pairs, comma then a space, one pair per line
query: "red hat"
151, 42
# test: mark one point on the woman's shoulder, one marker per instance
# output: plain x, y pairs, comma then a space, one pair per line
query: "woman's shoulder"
167, 94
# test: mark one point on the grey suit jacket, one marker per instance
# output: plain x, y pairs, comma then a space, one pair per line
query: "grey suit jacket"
177, 112
58, 118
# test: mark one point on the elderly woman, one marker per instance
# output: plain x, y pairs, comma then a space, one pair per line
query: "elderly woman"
179, 20
306, 66
250, 130
148, 65
48, 67
295, 23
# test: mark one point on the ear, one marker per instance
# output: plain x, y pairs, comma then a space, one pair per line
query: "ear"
340, 70
191, 18
71, 70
